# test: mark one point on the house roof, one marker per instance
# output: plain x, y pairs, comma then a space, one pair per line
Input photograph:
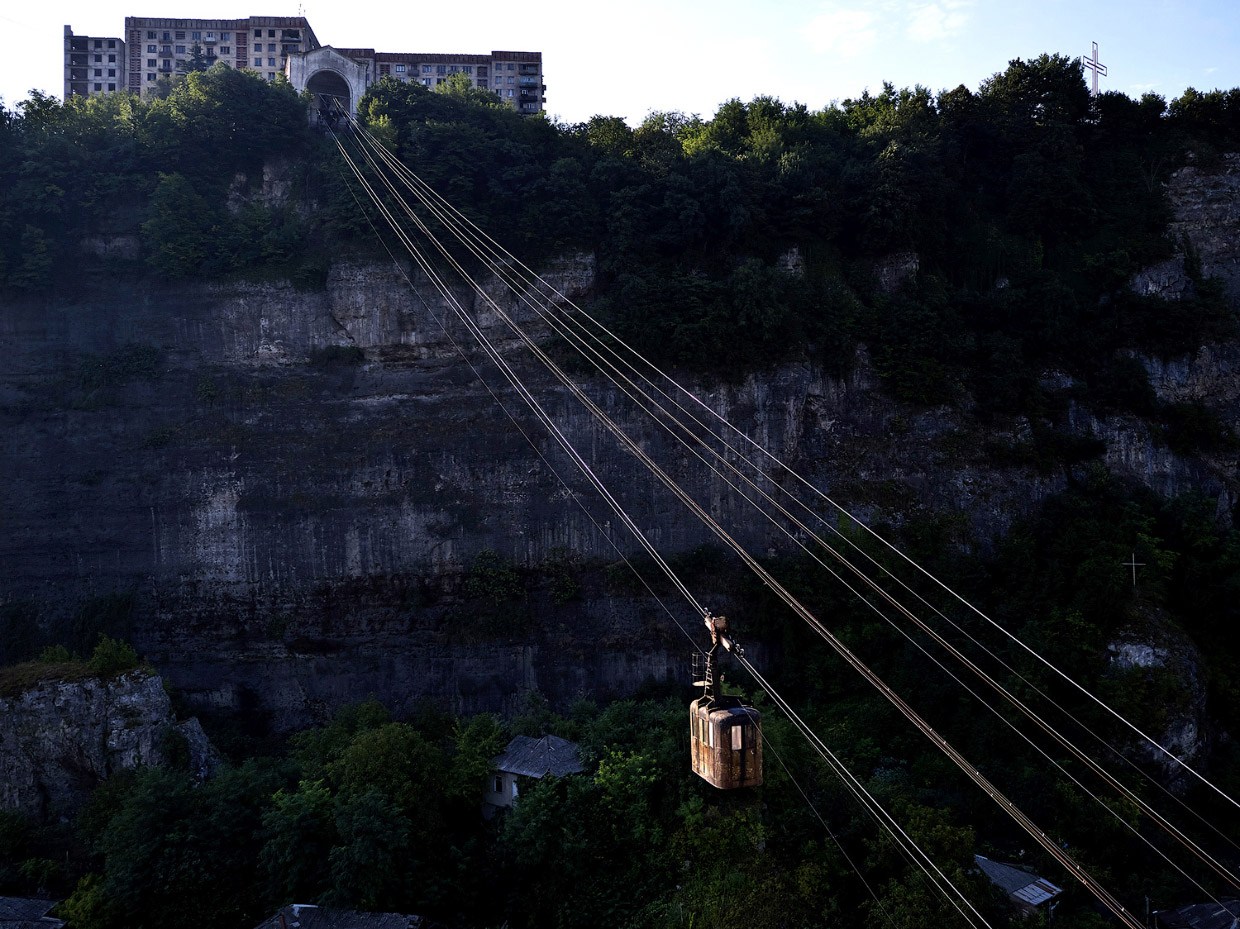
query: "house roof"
1019, 884
1202, 916
538, 757
23, 912
304, 916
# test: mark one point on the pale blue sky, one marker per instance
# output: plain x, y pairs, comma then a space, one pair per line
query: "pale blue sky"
691, 55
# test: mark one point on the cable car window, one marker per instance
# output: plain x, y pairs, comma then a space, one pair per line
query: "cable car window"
738, 738
710, 731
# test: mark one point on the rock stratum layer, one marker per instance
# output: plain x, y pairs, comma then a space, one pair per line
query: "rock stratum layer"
284, 489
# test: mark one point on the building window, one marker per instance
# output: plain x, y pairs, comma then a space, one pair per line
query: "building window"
510, 93
271, 76
195, 35
258, 33
210, 35
453, 70
166, 51
468, 69
511, 80
150, 49
482, 82
258, 62
150, 77
111, 59
111, 87
181, 34
98, 72
400, 67
150, 62
383, 69
98, 87
180, 49
167, 37
258, 46
111, 43
150, 34
426, 69
426, 82
439, 80
111, 72
224, 36
271, 62
271, 33
99, 58
498, 785
166, 65
271, 46
441, 69
225, 49
98, 43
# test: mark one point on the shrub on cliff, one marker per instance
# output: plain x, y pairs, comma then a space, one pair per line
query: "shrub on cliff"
111, 657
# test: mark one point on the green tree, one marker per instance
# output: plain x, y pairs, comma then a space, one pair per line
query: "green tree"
299, 833
368, 867
179, 232
197, 60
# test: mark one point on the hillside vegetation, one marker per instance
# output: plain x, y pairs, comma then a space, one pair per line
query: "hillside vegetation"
1027, 205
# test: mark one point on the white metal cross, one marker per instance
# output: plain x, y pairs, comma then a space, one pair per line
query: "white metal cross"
1134, 564
1092, 64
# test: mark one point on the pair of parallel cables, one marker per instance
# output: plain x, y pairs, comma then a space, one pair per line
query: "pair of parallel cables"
689, 421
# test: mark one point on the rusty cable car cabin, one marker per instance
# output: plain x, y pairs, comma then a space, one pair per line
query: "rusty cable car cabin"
725, 734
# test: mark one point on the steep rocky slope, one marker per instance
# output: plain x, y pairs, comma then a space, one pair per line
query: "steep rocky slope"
59, 739
288, 529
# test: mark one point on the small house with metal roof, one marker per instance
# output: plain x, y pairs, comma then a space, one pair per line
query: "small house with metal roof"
530, 757
1028, 891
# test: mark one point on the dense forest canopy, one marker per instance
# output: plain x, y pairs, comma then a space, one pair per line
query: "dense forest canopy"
723, 245
1027, 203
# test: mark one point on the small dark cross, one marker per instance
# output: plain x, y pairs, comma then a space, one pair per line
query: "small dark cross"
1134, 564
1092, 64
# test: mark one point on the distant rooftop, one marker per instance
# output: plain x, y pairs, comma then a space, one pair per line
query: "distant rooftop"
27, 913
531, 757
1201, 916
304, 916
1023, 887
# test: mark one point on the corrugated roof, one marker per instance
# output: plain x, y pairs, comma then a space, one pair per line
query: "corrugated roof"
1202, 916
538, 757
1025, 887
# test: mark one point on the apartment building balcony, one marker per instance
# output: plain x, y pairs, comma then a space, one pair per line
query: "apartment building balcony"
527, 69
77, 75
527, 82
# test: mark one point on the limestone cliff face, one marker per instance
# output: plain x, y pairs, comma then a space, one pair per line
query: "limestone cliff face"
1206, 203
61, 739
293, 527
